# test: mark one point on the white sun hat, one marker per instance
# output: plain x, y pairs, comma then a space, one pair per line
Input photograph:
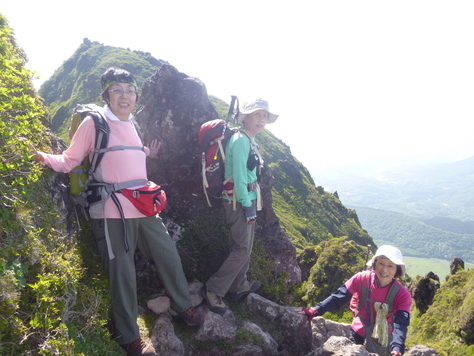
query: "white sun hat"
254, 105
392, 253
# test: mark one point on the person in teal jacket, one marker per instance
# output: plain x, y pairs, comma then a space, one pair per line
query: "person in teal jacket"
241, 202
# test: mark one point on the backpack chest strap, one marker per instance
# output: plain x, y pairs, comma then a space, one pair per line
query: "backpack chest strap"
364, 297
119, 148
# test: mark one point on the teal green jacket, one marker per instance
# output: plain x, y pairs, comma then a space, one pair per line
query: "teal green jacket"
237, 154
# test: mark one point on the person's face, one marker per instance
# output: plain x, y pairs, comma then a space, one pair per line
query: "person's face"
255, 122
122, 98
385, 271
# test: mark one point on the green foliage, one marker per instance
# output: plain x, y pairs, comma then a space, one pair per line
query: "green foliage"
337, 260
307, 258
92, 342
263, 269
447, 325
221, 106
44, 287
450, 224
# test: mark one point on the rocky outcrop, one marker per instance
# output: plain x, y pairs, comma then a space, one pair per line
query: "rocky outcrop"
255, 327
172, 109
424, 291
455, 265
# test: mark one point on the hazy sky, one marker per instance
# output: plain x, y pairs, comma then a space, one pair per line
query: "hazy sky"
352, 80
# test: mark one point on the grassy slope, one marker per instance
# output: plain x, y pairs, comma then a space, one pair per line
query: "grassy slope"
444, 325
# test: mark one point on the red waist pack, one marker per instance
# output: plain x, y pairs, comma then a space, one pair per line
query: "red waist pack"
149, 200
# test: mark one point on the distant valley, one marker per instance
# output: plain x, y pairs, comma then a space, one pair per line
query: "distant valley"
426, 210
416, 237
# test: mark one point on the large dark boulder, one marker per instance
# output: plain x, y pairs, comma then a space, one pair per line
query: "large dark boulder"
172, 109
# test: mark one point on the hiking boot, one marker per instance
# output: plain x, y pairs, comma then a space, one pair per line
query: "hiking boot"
214, 302
139, 348
252, 288
192, 316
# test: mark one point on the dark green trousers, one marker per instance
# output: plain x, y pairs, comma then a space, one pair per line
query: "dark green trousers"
152, 239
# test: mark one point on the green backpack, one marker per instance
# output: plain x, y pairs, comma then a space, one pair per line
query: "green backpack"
80, 176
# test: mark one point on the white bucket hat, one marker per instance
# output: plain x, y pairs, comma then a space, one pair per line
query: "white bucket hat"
392, 253
254, 105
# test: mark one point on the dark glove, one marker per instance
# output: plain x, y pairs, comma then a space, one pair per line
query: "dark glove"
309, 312
250, 213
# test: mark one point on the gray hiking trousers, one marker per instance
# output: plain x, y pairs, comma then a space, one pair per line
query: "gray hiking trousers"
152, 239
232, 275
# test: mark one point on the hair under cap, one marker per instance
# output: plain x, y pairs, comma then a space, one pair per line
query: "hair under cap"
254, 105
392, 253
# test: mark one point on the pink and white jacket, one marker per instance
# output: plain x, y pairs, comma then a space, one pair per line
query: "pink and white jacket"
115, 167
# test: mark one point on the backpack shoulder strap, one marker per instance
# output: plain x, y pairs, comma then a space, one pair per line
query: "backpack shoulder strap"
364, 291
254, 146
101, 138
390, 298
138, 128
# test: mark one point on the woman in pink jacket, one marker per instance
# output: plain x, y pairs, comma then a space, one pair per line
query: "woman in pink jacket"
378, 301
147, 233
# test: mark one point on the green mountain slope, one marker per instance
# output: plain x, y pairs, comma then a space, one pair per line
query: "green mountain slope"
77, 81
415, 237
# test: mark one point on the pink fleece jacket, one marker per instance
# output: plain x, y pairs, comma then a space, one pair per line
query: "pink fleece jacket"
402, 301
115, 167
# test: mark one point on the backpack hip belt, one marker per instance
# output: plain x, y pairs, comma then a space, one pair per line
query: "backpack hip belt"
253, 186
107, 190
230, 193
